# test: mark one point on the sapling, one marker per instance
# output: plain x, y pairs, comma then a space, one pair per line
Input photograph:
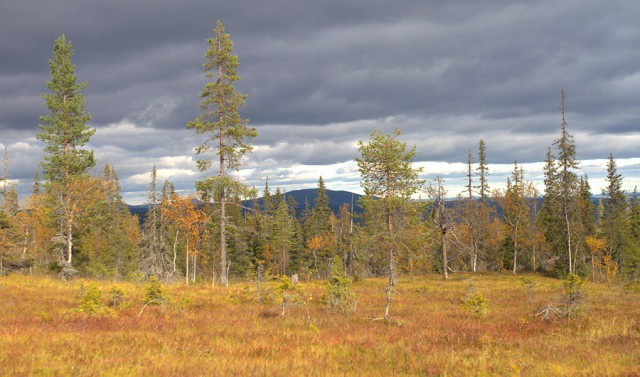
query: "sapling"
155, 294
475, 303
340, 297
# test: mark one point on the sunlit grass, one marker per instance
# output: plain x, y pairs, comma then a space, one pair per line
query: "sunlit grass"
206, 330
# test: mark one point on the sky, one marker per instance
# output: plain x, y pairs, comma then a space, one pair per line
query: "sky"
322, 75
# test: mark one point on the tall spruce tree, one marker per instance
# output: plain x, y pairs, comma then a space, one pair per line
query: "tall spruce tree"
388, 175
227, 133
567, 183
483, 172
615, 221
64, 132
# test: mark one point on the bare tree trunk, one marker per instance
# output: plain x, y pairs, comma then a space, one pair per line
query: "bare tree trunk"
515, 257
566, 216
69, 238
195, 268
26, 243
534, 257
224, 278
175, 251
392, 281
186, 274
474, 255
443, 239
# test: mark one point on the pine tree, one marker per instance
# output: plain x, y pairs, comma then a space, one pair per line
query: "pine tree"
227, 134
64, 132
387, 173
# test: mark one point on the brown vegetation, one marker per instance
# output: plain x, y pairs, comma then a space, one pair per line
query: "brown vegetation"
207, 330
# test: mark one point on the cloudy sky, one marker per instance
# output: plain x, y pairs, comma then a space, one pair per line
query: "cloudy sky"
321, 75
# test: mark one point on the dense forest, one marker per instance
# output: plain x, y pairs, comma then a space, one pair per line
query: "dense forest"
75, 223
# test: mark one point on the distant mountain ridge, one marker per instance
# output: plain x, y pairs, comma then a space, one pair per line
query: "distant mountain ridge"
336, 199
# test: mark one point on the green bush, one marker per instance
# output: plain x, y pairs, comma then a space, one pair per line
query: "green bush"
476, 303
91, 302
155, 293
116, 297
340, 297
574, 294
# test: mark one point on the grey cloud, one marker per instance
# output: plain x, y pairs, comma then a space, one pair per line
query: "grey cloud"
321, 75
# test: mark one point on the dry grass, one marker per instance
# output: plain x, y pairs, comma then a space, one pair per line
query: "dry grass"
217, 331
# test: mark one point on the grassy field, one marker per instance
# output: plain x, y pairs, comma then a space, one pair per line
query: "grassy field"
207, 330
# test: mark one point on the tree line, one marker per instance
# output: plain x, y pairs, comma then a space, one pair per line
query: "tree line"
75, 222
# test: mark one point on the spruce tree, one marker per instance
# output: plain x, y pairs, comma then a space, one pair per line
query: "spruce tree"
321, 212
483, 172
567, 184
227, 134
615, 221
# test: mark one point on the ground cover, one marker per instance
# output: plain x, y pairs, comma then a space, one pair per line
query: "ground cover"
204, 330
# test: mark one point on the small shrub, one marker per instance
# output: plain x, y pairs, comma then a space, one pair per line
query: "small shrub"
530, 284
155, 294
476, 303
116, 297
574, 292
287, 293
91, 302
184, 304
340, 297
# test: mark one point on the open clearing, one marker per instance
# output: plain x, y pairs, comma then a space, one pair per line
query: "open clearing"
207, 330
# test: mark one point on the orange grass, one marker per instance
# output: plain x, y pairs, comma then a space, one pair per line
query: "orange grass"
227, 332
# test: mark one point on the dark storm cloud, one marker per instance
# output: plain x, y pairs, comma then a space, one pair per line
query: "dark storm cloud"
321, 75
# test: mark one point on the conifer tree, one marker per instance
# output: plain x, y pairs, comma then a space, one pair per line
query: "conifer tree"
64, 132
154, 246
483, 172
226, 132
387, 174
585, 221
615, 221
567, 183
635, 232
321, 212
516, 212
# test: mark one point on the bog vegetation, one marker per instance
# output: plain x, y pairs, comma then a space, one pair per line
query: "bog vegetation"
241, 259
47, 328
